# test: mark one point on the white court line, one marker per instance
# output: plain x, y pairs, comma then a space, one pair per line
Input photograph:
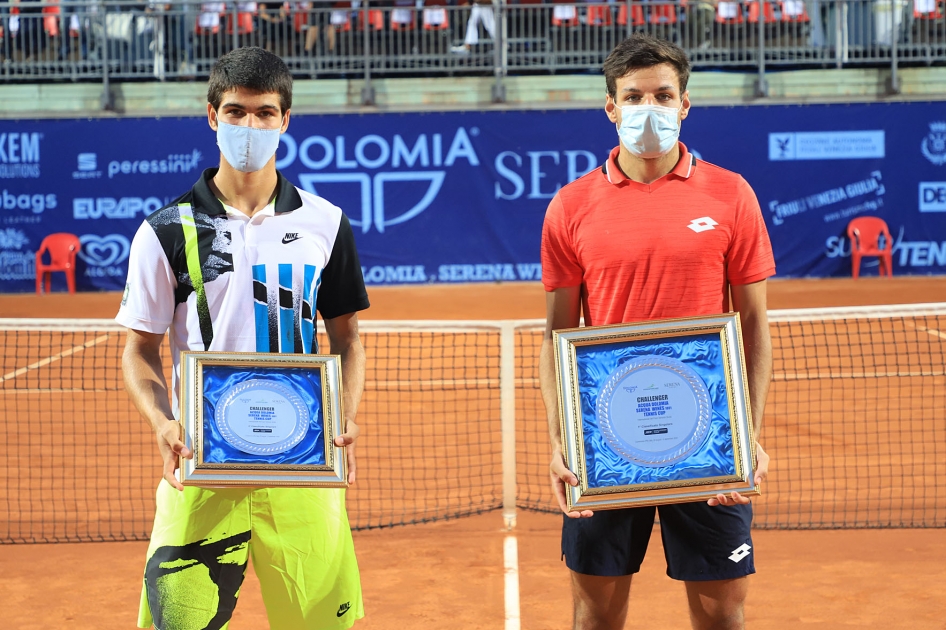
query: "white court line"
445, 383
55, 357
511, 570
809, 376
40, 390
928, 331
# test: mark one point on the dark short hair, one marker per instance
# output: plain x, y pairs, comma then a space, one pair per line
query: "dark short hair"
251, 68
644, 51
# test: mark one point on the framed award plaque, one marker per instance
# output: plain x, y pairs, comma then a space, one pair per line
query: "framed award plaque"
655, 412
262, 419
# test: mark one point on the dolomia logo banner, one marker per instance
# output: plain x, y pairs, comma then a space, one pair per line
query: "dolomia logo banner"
373, 162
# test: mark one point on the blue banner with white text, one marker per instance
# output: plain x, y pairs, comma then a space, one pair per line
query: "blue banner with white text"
460, 196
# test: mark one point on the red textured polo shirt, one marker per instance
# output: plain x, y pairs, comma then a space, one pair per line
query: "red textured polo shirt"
670, 248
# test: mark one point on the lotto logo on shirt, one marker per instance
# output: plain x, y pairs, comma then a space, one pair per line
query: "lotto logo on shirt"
19, 155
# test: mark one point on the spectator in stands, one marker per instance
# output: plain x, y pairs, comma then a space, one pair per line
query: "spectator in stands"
481, 12
701, 15
207, 32
310, 20
274, 25
74, 32
27, 29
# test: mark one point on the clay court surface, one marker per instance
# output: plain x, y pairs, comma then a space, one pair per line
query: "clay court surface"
449, 574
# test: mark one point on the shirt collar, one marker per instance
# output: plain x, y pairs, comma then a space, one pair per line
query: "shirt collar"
287, 197
684, 168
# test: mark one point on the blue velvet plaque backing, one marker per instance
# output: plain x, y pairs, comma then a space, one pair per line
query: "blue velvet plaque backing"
219, 379
703, 354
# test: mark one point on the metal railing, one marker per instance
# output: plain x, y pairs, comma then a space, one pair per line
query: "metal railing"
94, 40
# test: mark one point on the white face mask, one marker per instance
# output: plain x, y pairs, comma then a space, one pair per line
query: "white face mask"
247, 149
649, 131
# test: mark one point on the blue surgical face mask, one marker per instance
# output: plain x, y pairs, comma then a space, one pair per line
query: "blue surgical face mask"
649, 131
246, 149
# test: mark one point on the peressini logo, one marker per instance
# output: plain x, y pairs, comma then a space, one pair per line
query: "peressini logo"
290, 237
934, 144
387, 172
702, 224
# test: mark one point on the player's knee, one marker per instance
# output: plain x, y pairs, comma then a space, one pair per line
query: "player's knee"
717, 605
598, 617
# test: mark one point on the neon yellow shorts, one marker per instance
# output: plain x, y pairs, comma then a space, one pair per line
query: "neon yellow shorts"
301, 546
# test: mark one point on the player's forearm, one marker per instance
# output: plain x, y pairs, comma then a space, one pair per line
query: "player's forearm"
353, 376
144, 381
758, 350
549, 387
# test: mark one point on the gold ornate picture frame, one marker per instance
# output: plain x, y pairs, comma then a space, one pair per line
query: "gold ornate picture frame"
262, 419
655, 412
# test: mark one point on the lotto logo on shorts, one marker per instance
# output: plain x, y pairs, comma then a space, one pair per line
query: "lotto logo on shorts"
740, 552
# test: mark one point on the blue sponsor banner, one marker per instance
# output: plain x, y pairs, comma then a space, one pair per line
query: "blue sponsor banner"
460, 196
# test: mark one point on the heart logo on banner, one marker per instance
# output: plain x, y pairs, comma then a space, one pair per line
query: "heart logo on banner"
104, 251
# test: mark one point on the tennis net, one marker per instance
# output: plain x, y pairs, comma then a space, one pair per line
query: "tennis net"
453, 425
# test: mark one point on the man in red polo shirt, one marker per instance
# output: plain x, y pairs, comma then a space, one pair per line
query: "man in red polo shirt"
656, 233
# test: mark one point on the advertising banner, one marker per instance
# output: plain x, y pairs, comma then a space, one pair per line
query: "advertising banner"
460, 196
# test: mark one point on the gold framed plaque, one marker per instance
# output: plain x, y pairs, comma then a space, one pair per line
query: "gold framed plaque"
655, 412
262, 419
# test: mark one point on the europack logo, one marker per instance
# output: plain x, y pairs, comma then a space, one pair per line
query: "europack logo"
933, 146
19, 155
375, 165
114, 208
16, 264
87, 166
826, 145
104, 255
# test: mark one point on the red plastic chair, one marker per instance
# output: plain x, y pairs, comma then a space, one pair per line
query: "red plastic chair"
375, 19
599, 15
865, 233
921, 12
637, 15
62, 248
435, 18
768, 12
795, 11
728, 12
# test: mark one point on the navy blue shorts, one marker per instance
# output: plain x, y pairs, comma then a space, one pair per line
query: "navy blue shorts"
701, 542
